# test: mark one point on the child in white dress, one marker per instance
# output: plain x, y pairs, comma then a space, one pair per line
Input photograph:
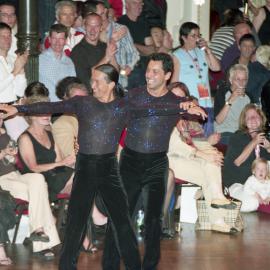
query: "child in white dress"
256, 190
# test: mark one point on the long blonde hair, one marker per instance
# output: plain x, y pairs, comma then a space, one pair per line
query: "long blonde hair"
34, 99
242, 118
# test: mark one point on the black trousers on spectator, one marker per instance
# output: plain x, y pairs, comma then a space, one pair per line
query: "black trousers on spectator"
98, 174
146, 174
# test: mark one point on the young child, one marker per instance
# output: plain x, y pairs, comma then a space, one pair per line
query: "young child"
256, 190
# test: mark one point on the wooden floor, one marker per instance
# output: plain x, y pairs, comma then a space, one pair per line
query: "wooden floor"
190, 250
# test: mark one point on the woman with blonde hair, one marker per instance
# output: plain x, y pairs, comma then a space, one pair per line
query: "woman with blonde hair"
245, 145
40, 154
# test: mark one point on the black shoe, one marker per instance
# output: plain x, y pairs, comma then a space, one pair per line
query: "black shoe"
167, 235
39, 237
45, 254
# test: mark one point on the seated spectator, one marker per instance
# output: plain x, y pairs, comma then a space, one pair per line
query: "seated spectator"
200, 164
259, 74
247, 143
256, 189
33, 89
40, 154
54, 65
30, 187
65, 128
229, 102
223, 36
65, 13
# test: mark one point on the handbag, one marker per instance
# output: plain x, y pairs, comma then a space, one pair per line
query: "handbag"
232, 217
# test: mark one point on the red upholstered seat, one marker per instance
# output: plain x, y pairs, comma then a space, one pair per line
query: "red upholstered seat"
62, 196
180, 181
20, 209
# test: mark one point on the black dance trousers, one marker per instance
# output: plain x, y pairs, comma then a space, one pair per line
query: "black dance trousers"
146, 174
98, 174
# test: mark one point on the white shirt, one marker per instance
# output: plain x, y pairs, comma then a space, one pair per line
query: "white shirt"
253, 185
11, 86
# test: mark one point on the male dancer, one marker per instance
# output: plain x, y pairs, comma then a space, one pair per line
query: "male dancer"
143, 161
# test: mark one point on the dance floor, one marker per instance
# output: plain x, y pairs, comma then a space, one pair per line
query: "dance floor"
189, 250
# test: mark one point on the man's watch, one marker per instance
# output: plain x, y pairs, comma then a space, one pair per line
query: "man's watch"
228, 103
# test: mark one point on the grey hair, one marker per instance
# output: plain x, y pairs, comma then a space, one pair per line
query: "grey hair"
237, 67
61, 4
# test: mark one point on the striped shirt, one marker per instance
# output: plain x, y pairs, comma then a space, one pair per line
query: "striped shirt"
221, 40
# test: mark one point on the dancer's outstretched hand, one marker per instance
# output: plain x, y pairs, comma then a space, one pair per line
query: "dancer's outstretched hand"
197, 111
7, 110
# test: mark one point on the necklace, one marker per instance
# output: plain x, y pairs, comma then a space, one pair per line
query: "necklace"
196, 63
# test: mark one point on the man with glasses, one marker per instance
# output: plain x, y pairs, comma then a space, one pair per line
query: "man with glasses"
8, 16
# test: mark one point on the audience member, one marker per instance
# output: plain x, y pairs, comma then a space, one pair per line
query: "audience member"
91, 52
245, 145
54, 65
198, 162
65, 13
8, 16
262, 23
65, 128
256, 189
140, 31
39, 153
192, 67
126, 55
232, 52
46, 16
78, 23
229, 102
30, 187
12, 76
259, 74
247, 47
223, 36
155, 12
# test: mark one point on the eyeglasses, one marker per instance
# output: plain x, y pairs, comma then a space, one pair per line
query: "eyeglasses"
195, 36
5, 15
